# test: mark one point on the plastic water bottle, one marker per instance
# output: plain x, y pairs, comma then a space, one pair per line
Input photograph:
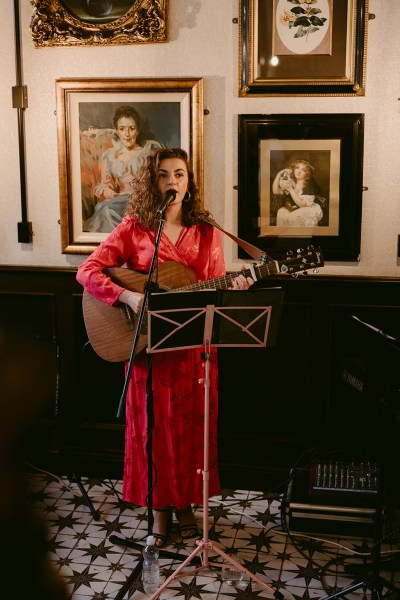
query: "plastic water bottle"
151, 567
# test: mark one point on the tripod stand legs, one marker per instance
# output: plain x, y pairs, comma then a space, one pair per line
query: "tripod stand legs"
376, 593
344, 591
76, 479
204, 546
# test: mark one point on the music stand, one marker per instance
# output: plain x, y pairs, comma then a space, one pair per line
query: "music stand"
212, 318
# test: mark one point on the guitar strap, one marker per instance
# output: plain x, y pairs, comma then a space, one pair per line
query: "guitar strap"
255, 252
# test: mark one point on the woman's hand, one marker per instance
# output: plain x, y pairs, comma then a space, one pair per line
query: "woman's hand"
132, 299
107, 194
285, 184
241, 282
276, 187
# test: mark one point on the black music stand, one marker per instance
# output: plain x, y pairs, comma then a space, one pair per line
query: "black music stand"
212, 318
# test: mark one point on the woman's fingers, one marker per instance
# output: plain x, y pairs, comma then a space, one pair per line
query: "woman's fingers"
242, 283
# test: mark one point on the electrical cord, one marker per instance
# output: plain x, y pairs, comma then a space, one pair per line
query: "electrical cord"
326, 570
299, 467
62, 481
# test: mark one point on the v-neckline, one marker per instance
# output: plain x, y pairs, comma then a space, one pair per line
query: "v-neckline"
177, 239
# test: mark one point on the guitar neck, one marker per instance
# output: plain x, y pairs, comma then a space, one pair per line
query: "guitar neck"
226, 281
301, 261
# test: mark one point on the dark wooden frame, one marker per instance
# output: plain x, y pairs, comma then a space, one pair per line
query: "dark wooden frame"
339, 73
349, 130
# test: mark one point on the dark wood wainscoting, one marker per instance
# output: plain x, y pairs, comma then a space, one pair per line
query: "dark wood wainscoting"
278, 405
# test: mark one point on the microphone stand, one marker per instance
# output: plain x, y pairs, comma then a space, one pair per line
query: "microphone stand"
150, 286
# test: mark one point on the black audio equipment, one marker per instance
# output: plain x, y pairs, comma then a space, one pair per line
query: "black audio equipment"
333, 498
345, 477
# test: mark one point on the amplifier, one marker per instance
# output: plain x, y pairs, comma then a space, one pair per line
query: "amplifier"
333, 498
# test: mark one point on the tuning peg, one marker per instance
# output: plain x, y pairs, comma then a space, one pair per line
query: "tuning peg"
300, 250
289, 253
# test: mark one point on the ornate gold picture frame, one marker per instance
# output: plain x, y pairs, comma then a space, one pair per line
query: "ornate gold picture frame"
98, 22
170, 113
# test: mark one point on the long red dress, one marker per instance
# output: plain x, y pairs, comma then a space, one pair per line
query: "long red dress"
178, 397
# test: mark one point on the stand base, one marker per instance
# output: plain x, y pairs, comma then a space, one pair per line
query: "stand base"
76, 479
375, 586
204, 547
137, 571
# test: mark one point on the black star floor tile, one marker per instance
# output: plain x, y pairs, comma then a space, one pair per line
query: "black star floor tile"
245, 525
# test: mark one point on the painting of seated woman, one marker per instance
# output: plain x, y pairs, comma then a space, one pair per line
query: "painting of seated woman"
109, 159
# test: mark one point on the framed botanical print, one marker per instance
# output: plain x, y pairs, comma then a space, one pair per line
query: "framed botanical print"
302, 48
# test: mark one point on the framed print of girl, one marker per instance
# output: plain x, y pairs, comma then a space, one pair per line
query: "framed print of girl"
298, 193
300, 182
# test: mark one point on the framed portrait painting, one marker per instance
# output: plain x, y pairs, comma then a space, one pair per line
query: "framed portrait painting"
91, 118
98, 22
302, 48
300, 183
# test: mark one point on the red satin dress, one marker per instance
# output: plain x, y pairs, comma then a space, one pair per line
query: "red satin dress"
178, 397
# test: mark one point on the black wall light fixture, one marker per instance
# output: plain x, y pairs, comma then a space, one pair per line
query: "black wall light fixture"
20, 102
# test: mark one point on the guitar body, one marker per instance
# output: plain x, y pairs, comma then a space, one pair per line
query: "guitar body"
111, 329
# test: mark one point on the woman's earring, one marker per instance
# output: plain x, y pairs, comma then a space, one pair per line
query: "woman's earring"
186, 197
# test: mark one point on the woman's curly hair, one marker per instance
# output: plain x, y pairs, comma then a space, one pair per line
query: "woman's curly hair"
310, 184
146, 197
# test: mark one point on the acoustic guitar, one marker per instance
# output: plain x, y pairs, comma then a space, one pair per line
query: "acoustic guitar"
111, 329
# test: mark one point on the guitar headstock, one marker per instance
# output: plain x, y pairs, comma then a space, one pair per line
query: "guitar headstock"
301, 260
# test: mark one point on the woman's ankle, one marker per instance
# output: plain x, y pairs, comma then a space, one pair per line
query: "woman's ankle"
161, 525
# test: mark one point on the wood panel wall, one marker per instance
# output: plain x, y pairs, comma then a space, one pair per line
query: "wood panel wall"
276, 404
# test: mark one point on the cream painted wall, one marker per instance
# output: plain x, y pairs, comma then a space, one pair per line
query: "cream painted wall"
203, 42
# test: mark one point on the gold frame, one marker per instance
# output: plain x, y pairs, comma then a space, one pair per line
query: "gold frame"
186, 94
53, 24
338, 71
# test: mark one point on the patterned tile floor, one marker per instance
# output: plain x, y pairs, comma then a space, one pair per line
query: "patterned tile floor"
246, 524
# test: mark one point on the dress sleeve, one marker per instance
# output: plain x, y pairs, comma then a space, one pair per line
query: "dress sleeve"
217, 260
113, 252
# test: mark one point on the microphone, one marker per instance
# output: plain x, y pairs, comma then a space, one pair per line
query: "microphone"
169, 197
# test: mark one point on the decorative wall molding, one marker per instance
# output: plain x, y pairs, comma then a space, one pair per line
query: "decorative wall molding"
284, 400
